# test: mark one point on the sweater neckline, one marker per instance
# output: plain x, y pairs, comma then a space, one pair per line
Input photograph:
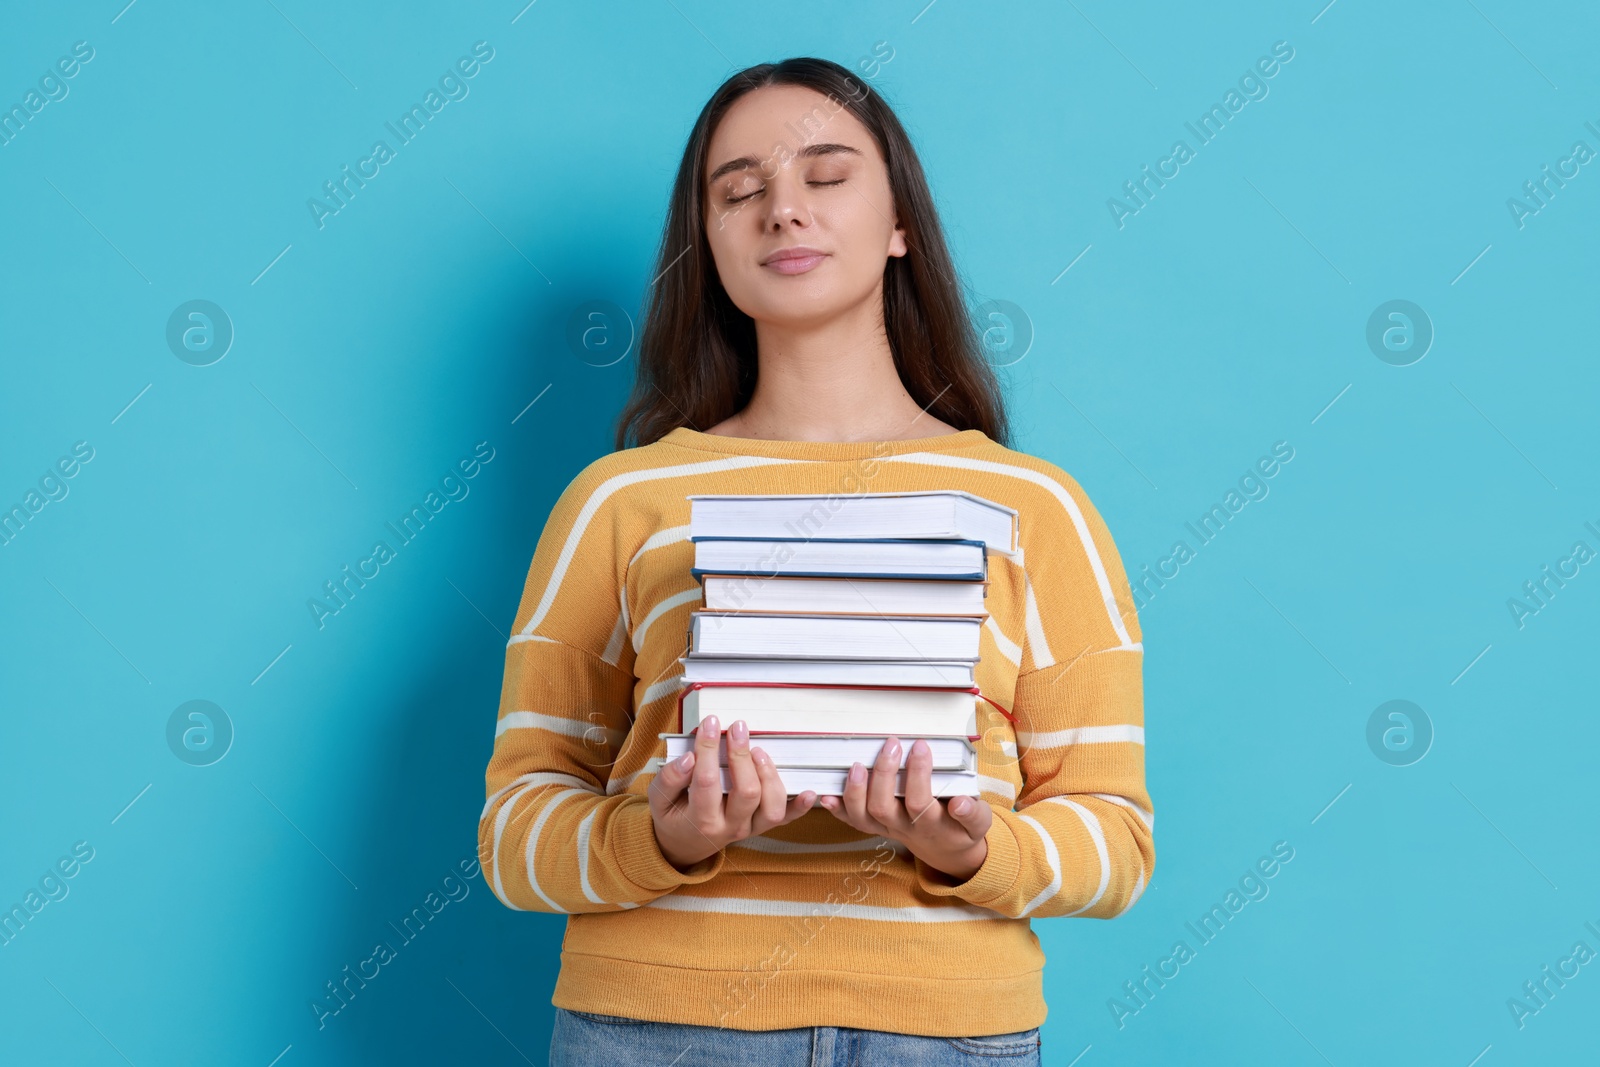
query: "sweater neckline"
822, 450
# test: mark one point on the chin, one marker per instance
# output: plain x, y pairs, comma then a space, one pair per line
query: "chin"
799, 311
789, 304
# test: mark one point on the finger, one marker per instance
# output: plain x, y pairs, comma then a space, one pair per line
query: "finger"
705, 791
854, 800
667, 787
883, 806
744, 784
972, 814
798, 806
921, 807
772, 807
834, 805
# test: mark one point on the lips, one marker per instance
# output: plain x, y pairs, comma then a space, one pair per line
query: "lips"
795, 260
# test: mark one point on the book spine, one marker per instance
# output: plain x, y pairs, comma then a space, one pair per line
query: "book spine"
840, 685
974, 738
979, 575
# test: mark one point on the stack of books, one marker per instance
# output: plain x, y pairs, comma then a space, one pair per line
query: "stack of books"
832, 622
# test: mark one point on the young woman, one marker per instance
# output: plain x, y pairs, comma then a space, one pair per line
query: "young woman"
805, 333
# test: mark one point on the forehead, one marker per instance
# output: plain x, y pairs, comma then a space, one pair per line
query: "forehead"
765, 120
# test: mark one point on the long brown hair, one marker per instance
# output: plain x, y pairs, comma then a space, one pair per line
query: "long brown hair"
697, 350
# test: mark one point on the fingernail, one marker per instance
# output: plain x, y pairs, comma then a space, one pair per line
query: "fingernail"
893, 748
857, 772
958, 806
739, 732
711, 725
685, 761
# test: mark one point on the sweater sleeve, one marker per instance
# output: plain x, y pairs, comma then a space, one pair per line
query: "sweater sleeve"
550, 838
1080, 838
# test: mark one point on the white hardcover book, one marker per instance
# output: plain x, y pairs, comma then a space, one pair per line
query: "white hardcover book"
822, 558
835, 751
816, 636
698, 668
829, 710
797, 780
929, 513
877, 596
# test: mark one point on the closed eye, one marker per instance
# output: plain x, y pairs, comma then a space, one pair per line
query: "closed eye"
747, 196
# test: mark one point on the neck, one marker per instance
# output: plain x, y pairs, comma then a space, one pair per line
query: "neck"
830, 381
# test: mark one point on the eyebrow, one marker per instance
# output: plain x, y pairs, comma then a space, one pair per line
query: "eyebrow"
808, 152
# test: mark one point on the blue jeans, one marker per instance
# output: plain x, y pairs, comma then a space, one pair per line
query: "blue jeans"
584, 1039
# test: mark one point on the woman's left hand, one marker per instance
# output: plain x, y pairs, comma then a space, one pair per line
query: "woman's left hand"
949, 836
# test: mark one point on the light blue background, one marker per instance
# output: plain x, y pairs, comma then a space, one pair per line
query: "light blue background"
428, 314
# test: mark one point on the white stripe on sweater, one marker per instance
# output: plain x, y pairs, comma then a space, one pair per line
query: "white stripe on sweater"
1037, 642
1081, 735
1051, 856
583, 856
583, 862
620, 785
531, 849
557, 724
500, 819
998, 786
1075, 513
670, 536
1138, 891
661, 689
1146, 817
601, 494
688, 596
1008, 648
822, 910
1097, 835
526, 782
536, 778
619, 632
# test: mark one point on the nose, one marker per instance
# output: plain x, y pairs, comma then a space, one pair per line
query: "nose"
786, 202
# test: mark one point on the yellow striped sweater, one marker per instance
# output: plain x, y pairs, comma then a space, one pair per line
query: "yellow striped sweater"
812, 923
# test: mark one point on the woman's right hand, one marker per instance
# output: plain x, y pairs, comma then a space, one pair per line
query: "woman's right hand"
694, 819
